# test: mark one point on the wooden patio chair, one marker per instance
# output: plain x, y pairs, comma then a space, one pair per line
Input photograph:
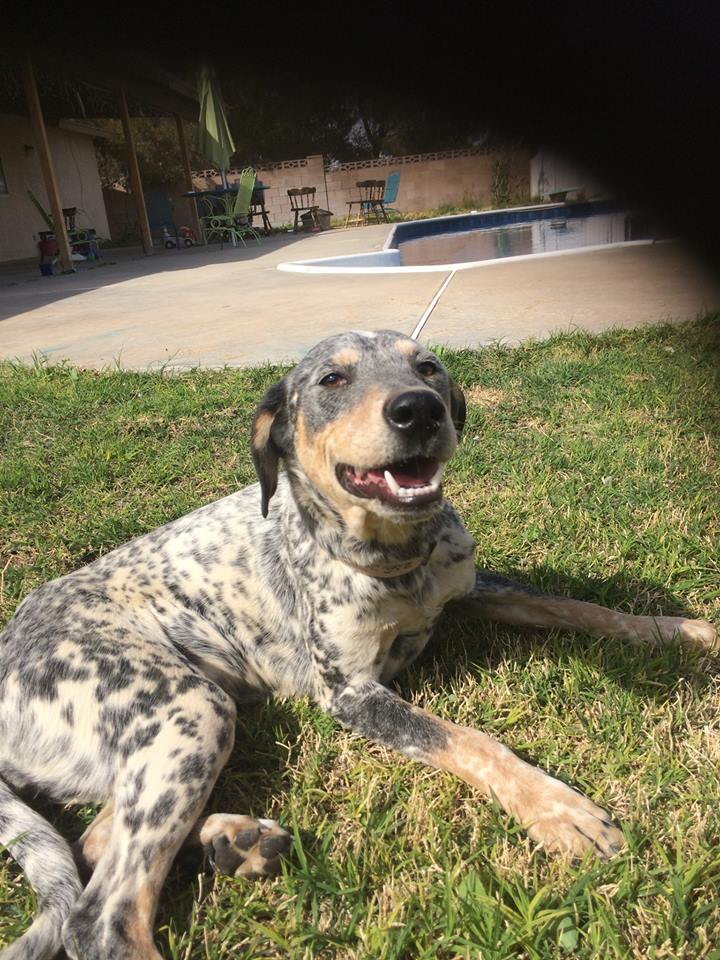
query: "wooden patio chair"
302, 198
371, 193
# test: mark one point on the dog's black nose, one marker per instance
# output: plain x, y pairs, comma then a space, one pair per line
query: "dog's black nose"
415, 413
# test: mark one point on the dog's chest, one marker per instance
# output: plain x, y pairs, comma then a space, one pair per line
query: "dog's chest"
363, 628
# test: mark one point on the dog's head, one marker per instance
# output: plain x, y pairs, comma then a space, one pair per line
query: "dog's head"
365, 422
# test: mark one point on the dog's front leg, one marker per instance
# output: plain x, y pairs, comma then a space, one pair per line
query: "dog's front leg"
497, 598
554, 814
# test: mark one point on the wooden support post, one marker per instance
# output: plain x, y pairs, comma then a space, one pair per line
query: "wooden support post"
185, 156
135, 181
46, 163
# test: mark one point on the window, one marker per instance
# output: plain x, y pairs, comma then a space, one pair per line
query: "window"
3, 181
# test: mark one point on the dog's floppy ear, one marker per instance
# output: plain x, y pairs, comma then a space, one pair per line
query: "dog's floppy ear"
457, 407
265, 451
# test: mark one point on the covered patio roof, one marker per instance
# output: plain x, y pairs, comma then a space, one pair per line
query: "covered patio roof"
87, 89
51, 89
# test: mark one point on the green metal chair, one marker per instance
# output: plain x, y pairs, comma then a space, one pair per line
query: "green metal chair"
233, 221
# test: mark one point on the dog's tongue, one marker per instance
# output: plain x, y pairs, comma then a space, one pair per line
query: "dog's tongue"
412, 473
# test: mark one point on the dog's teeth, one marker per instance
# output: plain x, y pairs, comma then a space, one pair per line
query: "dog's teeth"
392, 483
408, 493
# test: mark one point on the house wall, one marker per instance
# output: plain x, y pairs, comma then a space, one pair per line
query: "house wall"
550, 172
78, 181
122, 215
427, 181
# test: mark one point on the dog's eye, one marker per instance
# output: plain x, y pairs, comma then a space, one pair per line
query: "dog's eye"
427, 368
333, 380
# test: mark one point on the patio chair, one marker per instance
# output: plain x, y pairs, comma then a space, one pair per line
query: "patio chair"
371, 192
302, 198
390, 196
234, 221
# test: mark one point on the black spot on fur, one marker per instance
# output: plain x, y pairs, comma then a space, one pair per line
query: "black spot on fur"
142, 738
193, 768
162, 808
133, 820
381, 715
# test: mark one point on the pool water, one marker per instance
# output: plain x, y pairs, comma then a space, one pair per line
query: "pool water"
469, 241
518, 239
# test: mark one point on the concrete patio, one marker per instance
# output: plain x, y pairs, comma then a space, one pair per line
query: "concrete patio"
204, 306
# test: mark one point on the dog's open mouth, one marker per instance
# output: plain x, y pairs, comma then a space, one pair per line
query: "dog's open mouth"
411, 482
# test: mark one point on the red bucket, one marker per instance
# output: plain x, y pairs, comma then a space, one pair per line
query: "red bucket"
49, 247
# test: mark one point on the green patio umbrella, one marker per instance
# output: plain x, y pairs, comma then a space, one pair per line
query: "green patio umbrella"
216, 142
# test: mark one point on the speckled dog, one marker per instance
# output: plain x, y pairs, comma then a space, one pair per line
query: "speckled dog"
118, 682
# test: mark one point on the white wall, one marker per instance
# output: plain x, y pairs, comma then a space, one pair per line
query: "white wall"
550, 172
78, 181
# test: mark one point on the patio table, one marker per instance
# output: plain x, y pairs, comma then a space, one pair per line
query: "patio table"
219, 200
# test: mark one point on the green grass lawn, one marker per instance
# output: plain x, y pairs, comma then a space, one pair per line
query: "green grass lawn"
589, 466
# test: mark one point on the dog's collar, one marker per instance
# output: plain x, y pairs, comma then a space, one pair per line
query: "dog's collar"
387, 569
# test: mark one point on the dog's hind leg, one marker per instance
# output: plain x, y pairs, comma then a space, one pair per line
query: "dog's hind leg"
497, 598
160, 791
48, 864
241, 846
88, 848
231, 843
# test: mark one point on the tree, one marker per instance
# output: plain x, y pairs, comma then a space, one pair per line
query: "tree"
274, 123
158, 152
283, 121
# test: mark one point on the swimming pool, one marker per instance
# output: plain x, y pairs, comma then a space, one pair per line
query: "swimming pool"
479, 239
521, 239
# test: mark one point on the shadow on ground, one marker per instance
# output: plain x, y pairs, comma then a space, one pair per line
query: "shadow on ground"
21, 280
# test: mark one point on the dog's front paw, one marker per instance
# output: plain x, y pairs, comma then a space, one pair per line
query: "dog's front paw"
696, 633
566, 822
244, 847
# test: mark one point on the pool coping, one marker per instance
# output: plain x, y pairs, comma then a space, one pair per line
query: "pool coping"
459, 222
387, 260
